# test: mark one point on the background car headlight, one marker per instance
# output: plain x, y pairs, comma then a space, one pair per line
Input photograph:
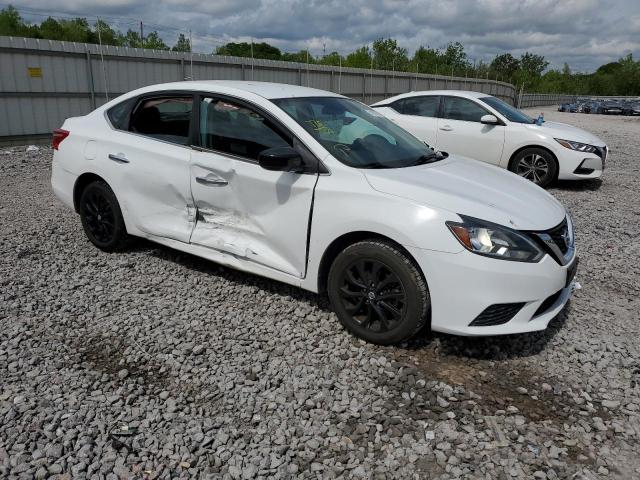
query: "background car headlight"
580, 147
496, 241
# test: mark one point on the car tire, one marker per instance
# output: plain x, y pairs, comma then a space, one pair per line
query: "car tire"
535, 164
102, 218
378, 292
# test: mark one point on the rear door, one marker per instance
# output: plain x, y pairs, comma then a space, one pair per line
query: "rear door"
148, 155
460, 131
242, 209
418, 115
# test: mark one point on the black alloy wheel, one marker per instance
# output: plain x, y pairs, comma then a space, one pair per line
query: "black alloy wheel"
378, 292
101, 217
373, 294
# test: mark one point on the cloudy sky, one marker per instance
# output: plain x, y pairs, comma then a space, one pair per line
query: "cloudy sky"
584, 33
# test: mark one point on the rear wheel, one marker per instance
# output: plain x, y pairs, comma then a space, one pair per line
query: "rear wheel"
101, 217
378, 293
535, 164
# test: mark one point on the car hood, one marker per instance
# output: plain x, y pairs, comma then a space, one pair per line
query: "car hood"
567, 132
469, 187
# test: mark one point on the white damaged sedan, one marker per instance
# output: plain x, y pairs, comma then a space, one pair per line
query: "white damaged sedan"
319, 191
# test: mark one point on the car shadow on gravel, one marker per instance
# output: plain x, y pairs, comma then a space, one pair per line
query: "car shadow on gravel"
591, 185
208, 267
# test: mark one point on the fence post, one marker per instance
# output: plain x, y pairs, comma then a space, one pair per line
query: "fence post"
332, 87
243, 67
364, 87
299, 76
386, 85
92, 92
182, 69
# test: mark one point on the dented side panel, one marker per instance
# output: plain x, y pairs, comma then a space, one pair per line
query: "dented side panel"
254, 214
153, 187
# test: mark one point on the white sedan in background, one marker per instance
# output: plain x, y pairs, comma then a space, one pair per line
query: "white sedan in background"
485, 128
320, 191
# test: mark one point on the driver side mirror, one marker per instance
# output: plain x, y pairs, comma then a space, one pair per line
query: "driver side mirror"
489, 120
281, 159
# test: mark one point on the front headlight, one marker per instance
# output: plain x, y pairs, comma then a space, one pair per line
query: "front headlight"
496, 241
580, 147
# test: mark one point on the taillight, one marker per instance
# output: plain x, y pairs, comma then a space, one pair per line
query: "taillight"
58, 136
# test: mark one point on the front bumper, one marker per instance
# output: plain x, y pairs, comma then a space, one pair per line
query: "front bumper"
462, 285
574, 165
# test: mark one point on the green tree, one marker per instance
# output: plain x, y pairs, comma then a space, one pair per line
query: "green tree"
361, 58
303, 56
182, 44
154, 42
426, 58
12, 24
243, 49
333, 58
505, 65
387, 55
108, 35
454, 57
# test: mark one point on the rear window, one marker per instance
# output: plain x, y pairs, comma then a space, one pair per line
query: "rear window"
163, 118
426, 106
119, 114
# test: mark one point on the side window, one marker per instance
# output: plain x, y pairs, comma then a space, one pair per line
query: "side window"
456, 108
165, 118
421, 106
235, 129
119, 114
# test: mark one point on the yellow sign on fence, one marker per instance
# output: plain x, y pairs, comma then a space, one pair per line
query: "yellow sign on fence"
35, 72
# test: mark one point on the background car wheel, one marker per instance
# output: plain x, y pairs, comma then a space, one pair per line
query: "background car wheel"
535, 164
378, 293
101, 217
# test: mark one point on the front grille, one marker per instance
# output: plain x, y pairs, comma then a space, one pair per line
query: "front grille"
497, 314
546, 305
558, 235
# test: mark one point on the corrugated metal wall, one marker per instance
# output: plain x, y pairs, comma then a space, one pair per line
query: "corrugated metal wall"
42, 82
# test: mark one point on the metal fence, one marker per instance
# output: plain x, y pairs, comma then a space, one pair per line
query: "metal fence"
538, 99
42, 82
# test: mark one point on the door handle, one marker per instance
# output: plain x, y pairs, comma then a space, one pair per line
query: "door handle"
446, 128
118, 157
215, 182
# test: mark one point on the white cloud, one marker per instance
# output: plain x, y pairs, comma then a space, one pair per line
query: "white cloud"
584, 33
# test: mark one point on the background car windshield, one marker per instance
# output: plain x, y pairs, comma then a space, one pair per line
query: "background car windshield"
511, 113
355, 134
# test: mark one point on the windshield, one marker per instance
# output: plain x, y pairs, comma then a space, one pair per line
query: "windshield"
355, 134
511, 113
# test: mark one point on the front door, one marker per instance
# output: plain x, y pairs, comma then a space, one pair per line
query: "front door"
244, 210
460, 131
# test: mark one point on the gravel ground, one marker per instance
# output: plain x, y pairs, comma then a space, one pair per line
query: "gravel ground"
157, 364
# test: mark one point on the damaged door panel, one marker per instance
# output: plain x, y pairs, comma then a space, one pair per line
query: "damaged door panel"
152, 185
257, 215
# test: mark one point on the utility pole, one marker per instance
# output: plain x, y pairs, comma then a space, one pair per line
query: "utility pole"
252, 60
141, 33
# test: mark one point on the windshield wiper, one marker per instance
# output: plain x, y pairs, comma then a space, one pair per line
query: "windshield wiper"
428, 158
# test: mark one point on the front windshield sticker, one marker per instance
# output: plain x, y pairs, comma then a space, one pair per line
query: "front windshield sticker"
320, 127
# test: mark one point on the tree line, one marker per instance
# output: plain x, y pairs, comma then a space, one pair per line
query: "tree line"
530, 71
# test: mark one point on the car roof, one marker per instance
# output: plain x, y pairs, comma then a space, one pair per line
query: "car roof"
264, 89
456, 93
